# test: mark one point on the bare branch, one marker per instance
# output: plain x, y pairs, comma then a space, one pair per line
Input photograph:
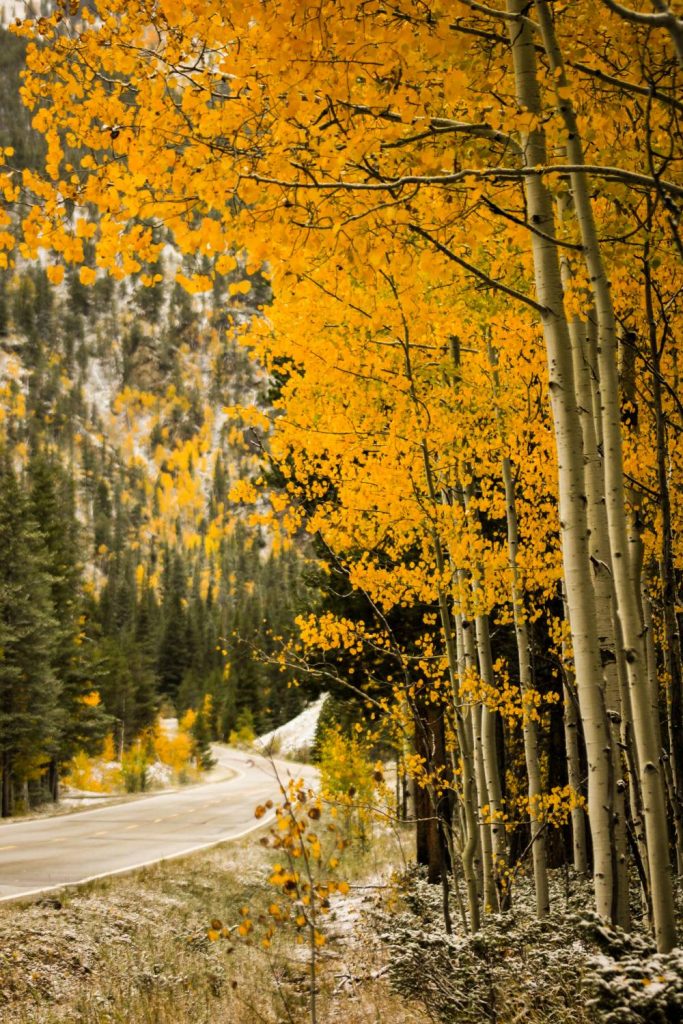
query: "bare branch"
476, 272
663, 17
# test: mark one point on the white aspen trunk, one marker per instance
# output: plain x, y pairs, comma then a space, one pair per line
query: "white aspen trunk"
571, 484
466, 664
466, 755
636, 554
603, 585
469, 845
529, 725
635, 796
489, 742
571, 739
489, 891
654, 802
673, 662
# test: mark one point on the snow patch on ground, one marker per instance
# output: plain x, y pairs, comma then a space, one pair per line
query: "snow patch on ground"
297, 736
159, 775
100, 387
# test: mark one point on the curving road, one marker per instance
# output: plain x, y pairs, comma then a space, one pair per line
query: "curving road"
49, 853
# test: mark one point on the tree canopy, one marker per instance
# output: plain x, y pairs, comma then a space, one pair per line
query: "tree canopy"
469, 218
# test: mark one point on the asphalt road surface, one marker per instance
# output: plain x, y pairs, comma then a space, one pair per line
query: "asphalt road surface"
49, 853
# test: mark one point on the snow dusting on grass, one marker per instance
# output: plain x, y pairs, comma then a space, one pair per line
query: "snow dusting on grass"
294, 738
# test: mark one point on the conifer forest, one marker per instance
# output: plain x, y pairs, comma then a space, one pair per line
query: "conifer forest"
340, 406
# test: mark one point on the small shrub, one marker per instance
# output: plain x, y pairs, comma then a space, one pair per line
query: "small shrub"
243, 735
350, 779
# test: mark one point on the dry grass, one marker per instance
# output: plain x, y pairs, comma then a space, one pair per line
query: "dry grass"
134, 950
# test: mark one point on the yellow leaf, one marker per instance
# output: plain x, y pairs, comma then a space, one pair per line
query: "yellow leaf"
55, 273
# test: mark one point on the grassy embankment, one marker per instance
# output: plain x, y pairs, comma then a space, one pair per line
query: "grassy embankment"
134, 949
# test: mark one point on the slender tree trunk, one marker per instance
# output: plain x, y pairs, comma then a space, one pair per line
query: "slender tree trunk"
53, 780
489, 891
571, 484
427, 839
529, 724
654, 803
467, 661
466, 755
489, 740
578, 816
672, 639
603, 583
629, 416
634, 793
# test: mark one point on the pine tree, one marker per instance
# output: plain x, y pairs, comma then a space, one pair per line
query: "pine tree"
201, 737
29, 691
82, 723
174, 653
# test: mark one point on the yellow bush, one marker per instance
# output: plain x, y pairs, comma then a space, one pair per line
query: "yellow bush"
175, 751
348, 777
243, 735
94, 774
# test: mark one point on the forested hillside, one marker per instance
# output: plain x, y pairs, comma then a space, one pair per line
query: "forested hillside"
129, 578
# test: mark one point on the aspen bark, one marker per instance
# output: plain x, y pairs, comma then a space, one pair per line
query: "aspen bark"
626, 369
468, 782
489, 741
571, 484
489, 891
578, 817
466, 665
673, 661
489, 756
654, 802
529, 724
603, 584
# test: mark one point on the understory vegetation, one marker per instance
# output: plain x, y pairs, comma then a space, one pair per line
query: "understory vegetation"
139, 950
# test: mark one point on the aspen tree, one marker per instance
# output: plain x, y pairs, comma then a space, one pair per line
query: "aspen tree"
571, 739
673, 661
529, 724
626, 587
571, 483
409, 171
467, 666
600, 556
489, 737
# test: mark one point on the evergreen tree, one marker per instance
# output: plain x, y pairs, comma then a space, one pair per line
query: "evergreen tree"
29, 691
174, 649
82, 723
128, 687
201, 739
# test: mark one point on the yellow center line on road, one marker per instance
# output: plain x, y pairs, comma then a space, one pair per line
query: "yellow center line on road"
8, 847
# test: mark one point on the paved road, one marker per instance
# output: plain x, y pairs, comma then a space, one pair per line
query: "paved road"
48, 853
